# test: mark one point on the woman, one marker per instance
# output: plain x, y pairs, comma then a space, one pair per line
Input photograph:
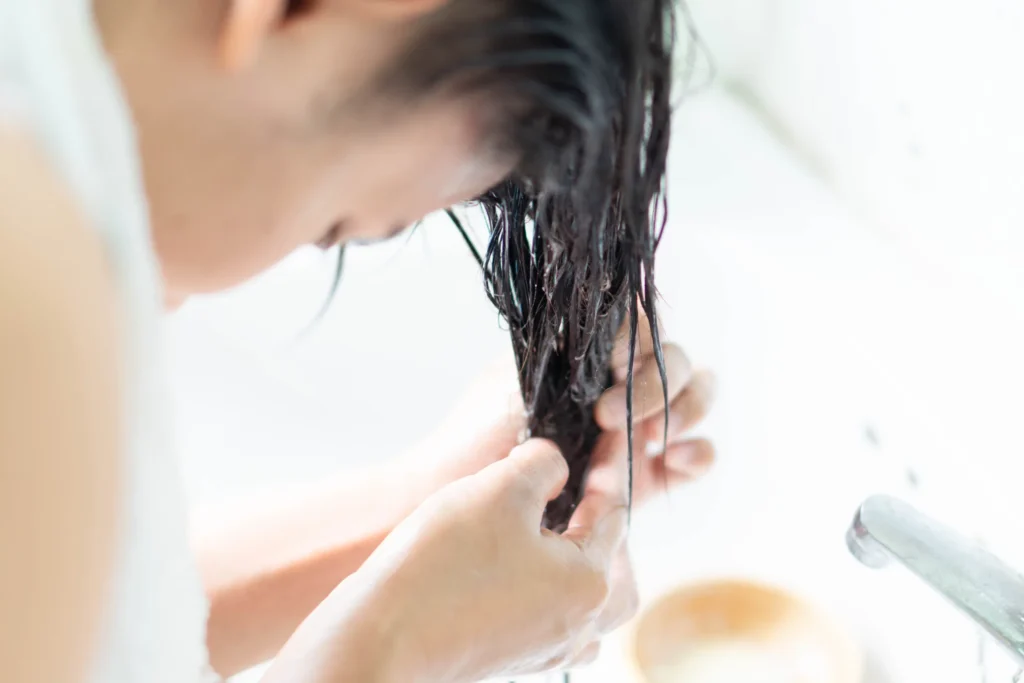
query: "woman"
154, 150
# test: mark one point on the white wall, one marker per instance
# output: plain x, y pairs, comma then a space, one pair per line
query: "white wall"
913, 108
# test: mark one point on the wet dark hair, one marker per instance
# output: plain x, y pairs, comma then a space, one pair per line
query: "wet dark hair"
580, 92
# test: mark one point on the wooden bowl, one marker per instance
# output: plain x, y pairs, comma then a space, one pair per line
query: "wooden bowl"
740, 632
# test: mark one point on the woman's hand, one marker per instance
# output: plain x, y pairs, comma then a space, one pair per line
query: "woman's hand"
488, 421
657, 464
266, 579
471, 586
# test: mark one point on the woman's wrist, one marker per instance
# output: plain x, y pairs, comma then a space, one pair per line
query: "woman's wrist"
269, 570
355, 636
380, 626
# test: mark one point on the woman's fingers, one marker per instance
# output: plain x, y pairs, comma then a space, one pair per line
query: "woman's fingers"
648, 392
686, 410
606, 490
681, 463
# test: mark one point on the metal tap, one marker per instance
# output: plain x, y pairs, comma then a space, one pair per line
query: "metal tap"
978, 583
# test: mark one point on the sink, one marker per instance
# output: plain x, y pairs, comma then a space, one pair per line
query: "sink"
765, 278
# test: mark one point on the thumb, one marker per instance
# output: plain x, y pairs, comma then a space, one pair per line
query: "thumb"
535, 473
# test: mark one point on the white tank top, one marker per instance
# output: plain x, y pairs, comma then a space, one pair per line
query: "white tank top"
56, 83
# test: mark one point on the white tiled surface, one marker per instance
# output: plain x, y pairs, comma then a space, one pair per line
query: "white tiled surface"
813, 326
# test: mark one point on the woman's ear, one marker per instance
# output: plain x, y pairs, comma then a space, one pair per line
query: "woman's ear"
248, 23
246, 27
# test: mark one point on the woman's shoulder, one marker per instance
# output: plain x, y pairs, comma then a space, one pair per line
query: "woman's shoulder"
46, 246
72, 197
58, 406
59, 87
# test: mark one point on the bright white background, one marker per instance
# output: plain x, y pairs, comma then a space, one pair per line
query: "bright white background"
843, 251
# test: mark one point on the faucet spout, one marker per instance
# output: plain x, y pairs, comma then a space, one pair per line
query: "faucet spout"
978, 583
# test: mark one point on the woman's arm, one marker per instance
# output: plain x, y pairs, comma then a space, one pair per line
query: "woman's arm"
267, 571
265, 574
59, 435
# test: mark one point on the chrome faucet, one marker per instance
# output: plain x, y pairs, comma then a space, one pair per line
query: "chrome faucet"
978, 583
